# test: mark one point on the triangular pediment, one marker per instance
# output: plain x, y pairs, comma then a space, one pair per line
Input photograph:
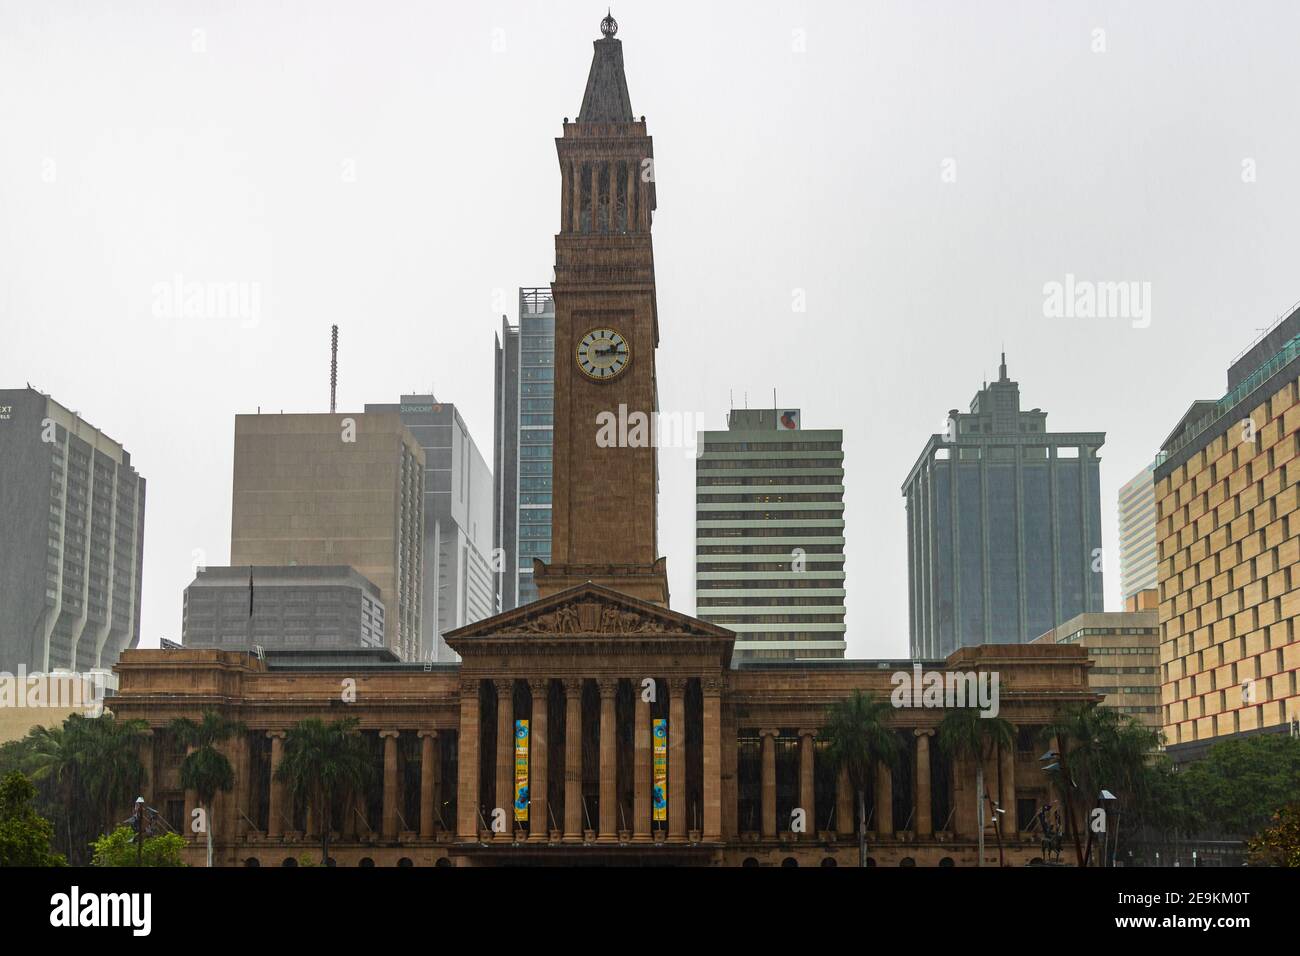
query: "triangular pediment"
591, 611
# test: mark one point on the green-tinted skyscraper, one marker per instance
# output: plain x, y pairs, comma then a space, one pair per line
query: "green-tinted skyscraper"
1003, 526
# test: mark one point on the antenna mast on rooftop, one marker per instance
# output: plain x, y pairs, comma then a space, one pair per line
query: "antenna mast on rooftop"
334, 365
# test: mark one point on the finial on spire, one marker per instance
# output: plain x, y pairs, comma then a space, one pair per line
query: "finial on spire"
609, 26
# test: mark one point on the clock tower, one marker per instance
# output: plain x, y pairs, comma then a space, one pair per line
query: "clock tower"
603, 522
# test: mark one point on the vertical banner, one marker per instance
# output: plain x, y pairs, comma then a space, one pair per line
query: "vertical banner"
661, 768
521, 771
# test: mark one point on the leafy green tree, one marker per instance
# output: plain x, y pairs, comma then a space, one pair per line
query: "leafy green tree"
965, 734
323, 762
118, 849
90, 769
1100, 748
1279, 844
1239, 785
25, 836
859, 738
205, 769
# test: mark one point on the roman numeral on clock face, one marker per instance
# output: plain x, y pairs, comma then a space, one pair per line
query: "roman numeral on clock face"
602, 354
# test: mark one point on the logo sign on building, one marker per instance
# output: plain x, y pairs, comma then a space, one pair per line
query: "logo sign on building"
521, 770
661, 768
788, 420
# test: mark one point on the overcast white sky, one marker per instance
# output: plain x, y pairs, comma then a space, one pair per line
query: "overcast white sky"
390, 167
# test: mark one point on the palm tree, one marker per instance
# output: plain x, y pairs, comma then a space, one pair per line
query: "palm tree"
91, 768
322, 762
205, 769
858, 739
966, 734
1099, 747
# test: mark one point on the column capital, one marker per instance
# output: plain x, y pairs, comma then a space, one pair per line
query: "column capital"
713, 686
572, 686
426, 733
770, 732
504, 685
469, 686
808, 733
608, 686
389, 733
273, 734
678, 685
539, 685
923, 731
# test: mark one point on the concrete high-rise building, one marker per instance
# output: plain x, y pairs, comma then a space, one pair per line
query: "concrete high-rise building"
769, 535
1124, 647
1003, 526
1228, 543
327, 490
1137, 533
295, 608
71, 539
522, 460
459, 580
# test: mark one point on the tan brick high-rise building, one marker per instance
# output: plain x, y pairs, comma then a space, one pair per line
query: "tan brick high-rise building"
345, 489
1228, 542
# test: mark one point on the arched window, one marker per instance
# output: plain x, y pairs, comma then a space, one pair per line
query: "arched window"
289, 861
252, 861
405, 861
907, 861
443, 861
366, 861
947, 861
789, 861
750, 861
829, 861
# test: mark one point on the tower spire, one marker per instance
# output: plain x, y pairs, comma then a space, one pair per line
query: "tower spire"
1002, 369
606, 99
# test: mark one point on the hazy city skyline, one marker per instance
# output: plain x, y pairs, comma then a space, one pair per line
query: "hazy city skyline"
860, 206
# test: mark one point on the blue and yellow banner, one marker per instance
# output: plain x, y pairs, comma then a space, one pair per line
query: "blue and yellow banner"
660, 737
521, 770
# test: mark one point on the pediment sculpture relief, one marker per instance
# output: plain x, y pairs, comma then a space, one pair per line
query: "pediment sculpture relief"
592, 617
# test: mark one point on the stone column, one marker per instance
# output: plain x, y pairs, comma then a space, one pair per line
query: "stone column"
467, 766
611, 200
566, 193
504, 798
243, 783
677, 809
539, 817
846, 805
807, 780
608, 686
643, 770
630, 198
275, 809
427, 739
147, 770
712, 694
768, 814
1008, 799
192, 804
573, 760
884, 801
389, 737
924, 825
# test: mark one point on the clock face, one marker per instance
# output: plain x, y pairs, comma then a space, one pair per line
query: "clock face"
603, 354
